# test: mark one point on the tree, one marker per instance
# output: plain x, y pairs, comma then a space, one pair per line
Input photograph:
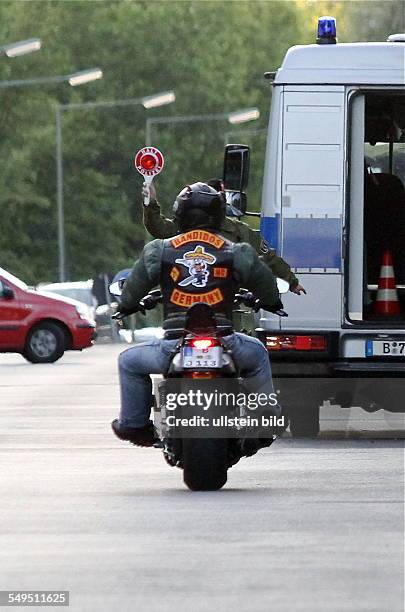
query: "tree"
375, 21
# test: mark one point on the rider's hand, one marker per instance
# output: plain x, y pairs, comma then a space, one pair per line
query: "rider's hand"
147, 303
298, 289
121, 313
151, 191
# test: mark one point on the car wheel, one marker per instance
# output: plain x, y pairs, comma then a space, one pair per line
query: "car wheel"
45, 343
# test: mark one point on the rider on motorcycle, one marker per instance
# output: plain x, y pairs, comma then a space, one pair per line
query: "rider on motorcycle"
197, 265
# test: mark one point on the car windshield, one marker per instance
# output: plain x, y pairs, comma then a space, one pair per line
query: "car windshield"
13, 279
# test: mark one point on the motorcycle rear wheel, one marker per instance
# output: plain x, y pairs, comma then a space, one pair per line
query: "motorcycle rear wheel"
205, 463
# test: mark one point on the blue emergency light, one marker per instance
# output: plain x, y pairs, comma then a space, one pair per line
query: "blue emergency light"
326, 31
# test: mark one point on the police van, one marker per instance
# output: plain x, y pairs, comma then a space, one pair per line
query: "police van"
333, 207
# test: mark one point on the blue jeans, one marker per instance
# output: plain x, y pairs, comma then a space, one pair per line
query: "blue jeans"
136, 363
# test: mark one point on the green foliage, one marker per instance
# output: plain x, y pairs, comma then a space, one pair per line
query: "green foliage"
374, 21
357, 20
212, 53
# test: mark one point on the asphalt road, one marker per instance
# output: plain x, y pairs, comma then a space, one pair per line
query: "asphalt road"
304, 525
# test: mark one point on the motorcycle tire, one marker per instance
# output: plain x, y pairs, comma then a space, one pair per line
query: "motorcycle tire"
205, 463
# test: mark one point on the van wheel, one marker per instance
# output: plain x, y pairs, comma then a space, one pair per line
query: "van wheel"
304, 421
45, 343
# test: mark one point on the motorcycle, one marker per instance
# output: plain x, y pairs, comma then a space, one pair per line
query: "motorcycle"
200, 360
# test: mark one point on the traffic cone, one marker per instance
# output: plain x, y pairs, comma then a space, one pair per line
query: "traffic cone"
387, 302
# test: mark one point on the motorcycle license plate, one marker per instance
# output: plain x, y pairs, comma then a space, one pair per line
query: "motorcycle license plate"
385, 348
202, 358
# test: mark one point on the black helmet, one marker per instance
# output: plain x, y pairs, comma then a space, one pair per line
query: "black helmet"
199, 205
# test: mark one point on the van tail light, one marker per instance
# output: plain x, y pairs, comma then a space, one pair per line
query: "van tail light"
303, 343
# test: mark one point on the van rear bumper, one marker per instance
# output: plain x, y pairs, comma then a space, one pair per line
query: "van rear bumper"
372, 386
336, 369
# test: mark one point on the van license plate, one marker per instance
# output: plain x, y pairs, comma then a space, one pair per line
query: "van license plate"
196, 358
385, 348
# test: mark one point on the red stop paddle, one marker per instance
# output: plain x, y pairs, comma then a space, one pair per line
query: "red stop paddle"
149, 161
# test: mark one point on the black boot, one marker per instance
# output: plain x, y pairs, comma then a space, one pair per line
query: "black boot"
250, 446
140, 436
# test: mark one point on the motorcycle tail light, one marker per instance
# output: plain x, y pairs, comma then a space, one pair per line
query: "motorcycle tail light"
203, 343
284, 342
205, 375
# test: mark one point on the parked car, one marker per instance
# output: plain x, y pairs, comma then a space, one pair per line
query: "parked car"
40, 326
80, 291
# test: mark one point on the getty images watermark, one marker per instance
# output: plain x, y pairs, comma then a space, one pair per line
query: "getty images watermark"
215, 412
207, 399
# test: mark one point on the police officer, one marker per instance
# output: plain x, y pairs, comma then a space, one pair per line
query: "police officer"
231, 228
197, 265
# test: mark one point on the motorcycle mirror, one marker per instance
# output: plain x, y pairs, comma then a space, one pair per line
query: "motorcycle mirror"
236, 167
282, 286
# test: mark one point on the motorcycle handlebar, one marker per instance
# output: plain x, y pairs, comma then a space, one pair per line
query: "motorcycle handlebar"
154, 297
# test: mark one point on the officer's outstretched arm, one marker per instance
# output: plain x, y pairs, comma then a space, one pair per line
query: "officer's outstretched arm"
144, 275
255, 275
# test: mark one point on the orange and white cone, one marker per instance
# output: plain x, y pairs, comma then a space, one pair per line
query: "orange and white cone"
387, 302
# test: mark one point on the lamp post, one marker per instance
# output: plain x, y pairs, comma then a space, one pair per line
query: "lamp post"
240, 116
21, 48
160, 99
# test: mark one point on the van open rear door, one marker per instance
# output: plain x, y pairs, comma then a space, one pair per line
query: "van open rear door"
312, 194
356, 250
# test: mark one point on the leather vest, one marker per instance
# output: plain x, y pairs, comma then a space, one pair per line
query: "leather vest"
197, 266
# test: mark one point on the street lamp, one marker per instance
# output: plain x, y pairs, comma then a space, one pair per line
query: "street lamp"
77, 78
21, 48
85, 76
160, 99
241, 116
244, 115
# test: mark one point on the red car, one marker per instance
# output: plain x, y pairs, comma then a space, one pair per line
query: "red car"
40, 327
